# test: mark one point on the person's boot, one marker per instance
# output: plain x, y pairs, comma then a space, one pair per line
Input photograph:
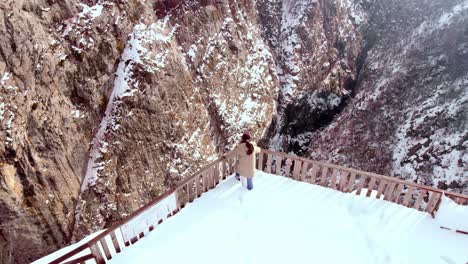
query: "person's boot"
238, 176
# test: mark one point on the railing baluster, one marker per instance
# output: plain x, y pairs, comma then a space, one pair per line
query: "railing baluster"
304, 169
371, 186
260, 161
287, 168
97, 254
205, 181
224, 169
433, 202
361, 183
297, 169
333, 179
115, 242
313, 177
389, 192
421, 195
190, 193
382, 185
323, 180
408, 196
105, 248
279, 159
269, 162
397, 193
343, 179
351, 182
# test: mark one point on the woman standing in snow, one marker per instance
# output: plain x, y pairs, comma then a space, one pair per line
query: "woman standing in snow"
245, 151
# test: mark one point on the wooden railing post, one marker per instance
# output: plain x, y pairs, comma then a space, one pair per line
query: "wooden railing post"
224, 169
260, 161
287, 169
333, 179
269, 162
105, 248
370, 188
115, 241
279, 160
313, 177
304, 170
97, 254
323, 180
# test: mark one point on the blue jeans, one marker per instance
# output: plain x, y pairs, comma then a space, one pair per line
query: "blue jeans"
249, 181
249, 184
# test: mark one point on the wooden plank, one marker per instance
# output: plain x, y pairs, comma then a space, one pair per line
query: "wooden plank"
421, 195
135, 239
323, 180
396, 194
408, 196
333, 179
304, 169
389, 191
115, 241
349, 187
104, 246
269, 162
297, 169
97, 254
371, 186
382, 184
80, 259
260, 161
279, 160
313, 177
432, 202
361, 183
343, 180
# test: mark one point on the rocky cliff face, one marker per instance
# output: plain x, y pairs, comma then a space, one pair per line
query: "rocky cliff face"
196, 77
409, 116
105, 104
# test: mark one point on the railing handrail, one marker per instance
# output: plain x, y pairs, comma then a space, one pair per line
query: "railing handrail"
370, 174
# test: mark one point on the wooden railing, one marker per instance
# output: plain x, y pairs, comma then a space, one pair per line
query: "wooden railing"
406, 193
111, 241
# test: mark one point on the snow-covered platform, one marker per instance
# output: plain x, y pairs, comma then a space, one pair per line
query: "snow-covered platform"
286, 221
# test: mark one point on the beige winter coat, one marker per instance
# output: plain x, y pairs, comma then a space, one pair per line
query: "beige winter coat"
246, 163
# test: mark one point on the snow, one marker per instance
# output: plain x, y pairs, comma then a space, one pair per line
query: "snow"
450, 214
5, 77
87, 15
2, 111
285, 221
